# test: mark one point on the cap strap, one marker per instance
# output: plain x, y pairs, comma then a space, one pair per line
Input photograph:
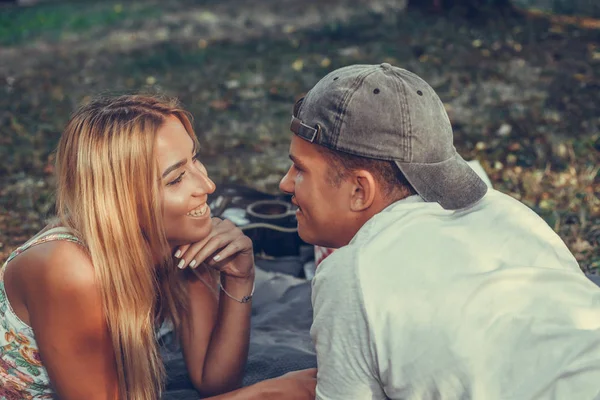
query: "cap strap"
303, 130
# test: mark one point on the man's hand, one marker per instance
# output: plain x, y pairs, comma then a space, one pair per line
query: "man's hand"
298, 385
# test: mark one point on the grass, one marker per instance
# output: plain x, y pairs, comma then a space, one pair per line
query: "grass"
540, 79
52, 22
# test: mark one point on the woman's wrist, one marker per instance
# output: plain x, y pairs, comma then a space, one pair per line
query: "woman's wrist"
233, 282
237, 288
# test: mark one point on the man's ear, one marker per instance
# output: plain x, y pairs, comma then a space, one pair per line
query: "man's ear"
364, 188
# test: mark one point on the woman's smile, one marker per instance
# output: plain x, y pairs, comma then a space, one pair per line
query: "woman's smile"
199, 211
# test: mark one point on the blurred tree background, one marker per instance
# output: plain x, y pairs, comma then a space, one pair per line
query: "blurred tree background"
520, 80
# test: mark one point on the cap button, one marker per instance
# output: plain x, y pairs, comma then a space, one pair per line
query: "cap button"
386, 66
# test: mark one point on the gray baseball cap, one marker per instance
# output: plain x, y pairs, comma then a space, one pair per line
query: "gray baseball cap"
388, 113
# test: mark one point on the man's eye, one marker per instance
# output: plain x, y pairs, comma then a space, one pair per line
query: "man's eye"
176, 180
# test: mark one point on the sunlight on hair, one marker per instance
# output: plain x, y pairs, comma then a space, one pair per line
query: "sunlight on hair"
108, 193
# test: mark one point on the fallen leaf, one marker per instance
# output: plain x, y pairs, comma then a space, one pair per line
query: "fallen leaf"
298, 65
326, 62
581, 246
220, 104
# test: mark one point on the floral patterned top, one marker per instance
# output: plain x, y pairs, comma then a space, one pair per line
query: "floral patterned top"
22, 375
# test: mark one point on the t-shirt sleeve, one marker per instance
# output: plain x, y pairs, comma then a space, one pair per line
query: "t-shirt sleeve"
340, 332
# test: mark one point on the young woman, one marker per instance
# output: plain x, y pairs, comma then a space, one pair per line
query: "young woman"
133, 245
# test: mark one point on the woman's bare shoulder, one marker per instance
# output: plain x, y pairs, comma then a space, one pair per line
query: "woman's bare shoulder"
57, 266
59, 261
50, 274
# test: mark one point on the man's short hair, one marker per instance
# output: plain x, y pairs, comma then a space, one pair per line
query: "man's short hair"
393, 182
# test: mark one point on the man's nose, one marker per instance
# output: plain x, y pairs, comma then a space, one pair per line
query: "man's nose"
286, 184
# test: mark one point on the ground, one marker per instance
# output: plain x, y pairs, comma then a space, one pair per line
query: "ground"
522, 92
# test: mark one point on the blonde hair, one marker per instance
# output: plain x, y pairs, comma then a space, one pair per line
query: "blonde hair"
109, 193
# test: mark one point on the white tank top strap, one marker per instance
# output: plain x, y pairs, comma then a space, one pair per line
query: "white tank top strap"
57, 233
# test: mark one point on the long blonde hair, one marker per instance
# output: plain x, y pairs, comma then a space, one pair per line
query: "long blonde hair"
109, 194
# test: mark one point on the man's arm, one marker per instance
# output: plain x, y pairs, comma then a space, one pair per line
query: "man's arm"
297, 385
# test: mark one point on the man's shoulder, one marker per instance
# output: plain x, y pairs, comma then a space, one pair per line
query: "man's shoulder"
374, 266
339, 266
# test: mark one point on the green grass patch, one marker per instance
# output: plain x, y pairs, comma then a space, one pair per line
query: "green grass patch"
52, 21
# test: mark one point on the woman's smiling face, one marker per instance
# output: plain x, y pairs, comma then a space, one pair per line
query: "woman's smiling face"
185, 185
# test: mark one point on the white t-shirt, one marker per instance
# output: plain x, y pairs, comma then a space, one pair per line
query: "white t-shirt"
482, 303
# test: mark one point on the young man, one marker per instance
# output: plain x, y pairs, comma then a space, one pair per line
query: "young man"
441, 288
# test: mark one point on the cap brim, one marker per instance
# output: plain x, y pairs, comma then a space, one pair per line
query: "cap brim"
451, 183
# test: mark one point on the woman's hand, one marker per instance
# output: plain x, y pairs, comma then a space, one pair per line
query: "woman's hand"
225, 249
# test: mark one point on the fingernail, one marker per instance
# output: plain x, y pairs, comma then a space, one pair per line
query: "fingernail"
181, 264
193, 263
217, 257
177, 253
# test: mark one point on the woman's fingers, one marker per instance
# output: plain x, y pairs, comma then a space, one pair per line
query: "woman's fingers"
188, 251
221, 261
226, 249
224, 232
181, 250
209, 250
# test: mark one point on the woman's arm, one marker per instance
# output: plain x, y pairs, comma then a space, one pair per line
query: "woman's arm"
297, 385
65, 312
215, 337
215, 334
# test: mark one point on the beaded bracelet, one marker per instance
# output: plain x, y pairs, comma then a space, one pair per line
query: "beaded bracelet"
243, 300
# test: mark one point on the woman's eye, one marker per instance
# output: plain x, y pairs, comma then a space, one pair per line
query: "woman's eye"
176, 180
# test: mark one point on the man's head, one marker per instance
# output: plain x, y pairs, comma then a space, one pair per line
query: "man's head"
361, 129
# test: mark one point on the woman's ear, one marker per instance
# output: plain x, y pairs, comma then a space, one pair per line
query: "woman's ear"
364, 188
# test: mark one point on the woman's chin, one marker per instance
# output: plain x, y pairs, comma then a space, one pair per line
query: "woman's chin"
189, 235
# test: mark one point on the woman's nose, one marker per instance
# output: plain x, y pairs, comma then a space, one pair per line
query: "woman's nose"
204, 185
